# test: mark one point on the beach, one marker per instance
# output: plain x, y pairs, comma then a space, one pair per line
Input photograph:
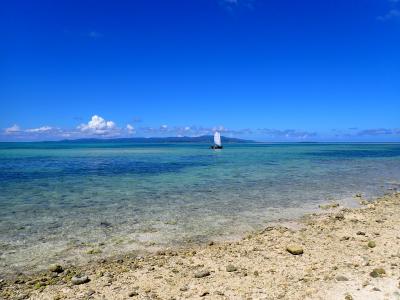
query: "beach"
338, 253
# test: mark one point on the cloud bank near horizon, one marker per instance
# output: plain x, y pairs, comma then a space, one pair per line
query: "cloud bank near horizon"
98, 127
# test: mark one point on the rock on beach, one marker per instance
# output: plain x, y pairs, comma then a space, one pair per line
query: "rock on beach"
76, 280
231, 268
295, 249
56, 268
201, 274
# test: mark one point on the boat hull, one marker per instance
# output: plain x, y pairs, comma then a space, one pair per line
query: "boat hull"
216, 147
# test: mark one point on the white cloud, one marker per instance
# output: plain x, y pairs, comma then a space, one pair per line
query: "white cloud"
164, 128
13, 129
392, 14
130, 128
230, 5
95, 34
287, 133
219, 128
98, 126
40, 129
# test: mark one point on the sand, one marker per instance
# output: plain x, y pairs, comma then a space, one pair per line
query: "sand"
340, 253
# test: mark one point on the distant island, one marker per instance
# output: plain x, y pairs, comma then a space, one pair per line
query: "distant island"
184, 139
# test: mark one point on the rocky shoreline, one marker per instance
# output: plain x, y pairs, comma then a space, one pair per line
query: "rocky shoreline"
340, 253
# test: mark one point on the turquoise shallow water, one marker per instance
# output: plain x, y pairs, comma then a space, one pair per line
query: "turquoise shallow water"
60, 200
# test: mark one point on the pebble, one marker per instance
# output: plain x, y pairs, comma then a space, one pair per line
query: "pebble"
341, 278
339, 216
19, 281
76, 280
56, 268
23, 297
201, 274
378, 272
371, 244
295, 249
204, 294
132, 294
231, 268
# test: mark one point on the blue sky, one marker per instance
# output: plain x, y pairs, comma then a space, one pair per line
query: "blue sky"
268, 70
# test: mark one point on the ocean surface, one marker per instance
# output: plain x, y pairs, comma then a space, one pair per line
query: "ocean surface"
75, 202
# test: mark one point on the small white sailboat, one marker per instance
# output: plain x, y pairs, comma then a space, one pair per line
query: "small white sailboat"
217, 141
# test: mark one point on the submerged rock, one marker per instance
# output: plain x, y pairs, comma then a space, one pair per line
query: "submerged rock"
105, 224
171, 222
93, 251
295, 249
329, 206
76, 280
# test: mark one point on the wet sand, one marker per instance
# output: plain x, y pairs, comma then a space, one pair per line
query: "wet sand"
340, 253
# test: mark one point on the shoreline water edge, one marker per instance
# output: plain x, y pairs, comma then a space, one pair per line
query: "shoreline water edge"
338, 253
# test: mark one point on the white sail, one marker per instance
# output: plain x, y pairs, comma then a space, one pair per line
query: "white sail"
217, 138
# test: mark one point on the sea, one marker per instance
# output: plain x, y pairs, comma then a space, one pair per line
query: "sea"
75, 202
